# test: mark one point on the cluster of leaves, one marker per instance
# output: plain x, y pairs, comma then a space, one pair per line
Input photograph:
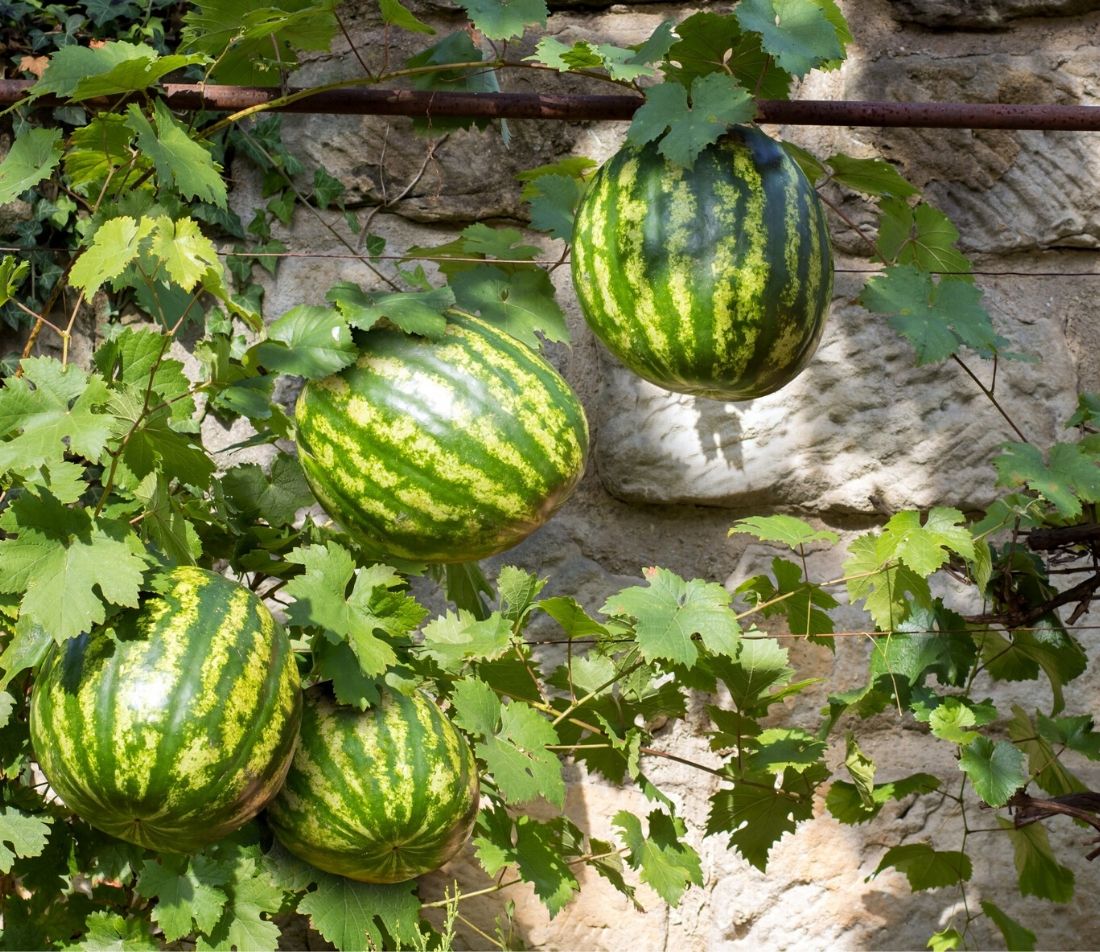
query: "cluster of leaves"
105, 474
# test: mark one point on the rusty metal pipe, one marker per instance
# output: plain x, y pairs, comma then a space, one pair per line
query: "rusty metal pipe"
407, 102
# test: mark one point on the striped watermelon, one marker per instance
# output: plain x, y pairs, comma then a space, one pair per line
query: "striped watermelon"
713, 281
442, 450
381, 795
176, 726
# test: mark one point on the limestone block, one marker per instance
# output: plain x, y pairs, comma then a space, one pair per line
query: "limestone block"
862, 429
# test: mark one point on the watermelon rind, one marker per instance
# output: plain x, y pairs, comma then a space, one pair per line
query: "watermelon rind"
174, 727
713, 281
380, 796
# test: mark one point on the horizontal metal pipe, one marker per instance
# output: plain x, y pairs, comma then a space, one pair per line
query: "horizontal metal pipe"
425, 104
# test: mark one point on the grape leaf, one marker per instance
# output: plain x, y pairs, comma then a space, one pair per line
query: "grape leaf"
67, 550
131, 74
717, 102
760, 665
667, 863
945, 940
1066, 478
115, 244
921, 236
110, 931
670, 612
926, 868
1040, 874
924, 548
415, 312
756, 813
352, 915
788, 530
181, 161
620, 64
521, 302
308, 341
804, 604
275, 497
783, 748
52, 409
27, 835
7, 703
1038, 743
870, 176
1076, 733
505, 19
372, 606
251, 893
456, 48
882, 586
846, 802
712, 42
395, 14
1016, 937
936, 317
861, 769
32, 157
796, 32
454, 639
996, 770
517, 590
12, 274
184, 251
554, 200
570, 614
254, 42
513, 746
186, 892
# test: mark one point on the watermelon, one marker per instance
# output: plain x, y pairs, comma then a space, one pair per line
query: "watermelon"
382, 795
177, 725
713, 281
444, 450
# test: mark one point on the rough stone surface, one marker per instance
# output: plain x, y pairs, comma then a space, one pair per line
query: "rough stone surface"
986, 14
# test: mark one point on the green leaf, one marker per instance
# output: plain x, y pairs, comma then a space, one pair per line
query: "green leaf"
757, 814
131, 74
796, 32
513, 746
570, 614
1039, 742
276, 497
717, 102
521, 302
1040, 873
670, 612
66, 550
181, 161
183, 250
28, 646
870, 176
505, 19
926, 868
945, 940
845, 801
784, 748
26, 835
787, 530
1017, 938
255, 42
455, 639
115, 244
12, 274
667, 863
308, 341
861, 769
921, 236
996, 770
712, 42
761, 664
620, 64
372, 607
395, 14
953, 717
554, 200
110, 932
186, 892
1077, 733
53, 411
802, 603
7, 703
456, 48
1066, 478
353, 915
517, 590
32, 157
251, 894
924, 548
937, 317
889, 591
415, 312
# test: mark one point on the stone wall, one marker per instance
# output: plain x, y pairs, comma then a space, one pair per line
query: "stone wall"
862, 433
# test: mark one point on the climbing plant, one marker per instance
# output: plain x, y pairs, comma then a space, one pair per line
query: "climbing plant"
128, 236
